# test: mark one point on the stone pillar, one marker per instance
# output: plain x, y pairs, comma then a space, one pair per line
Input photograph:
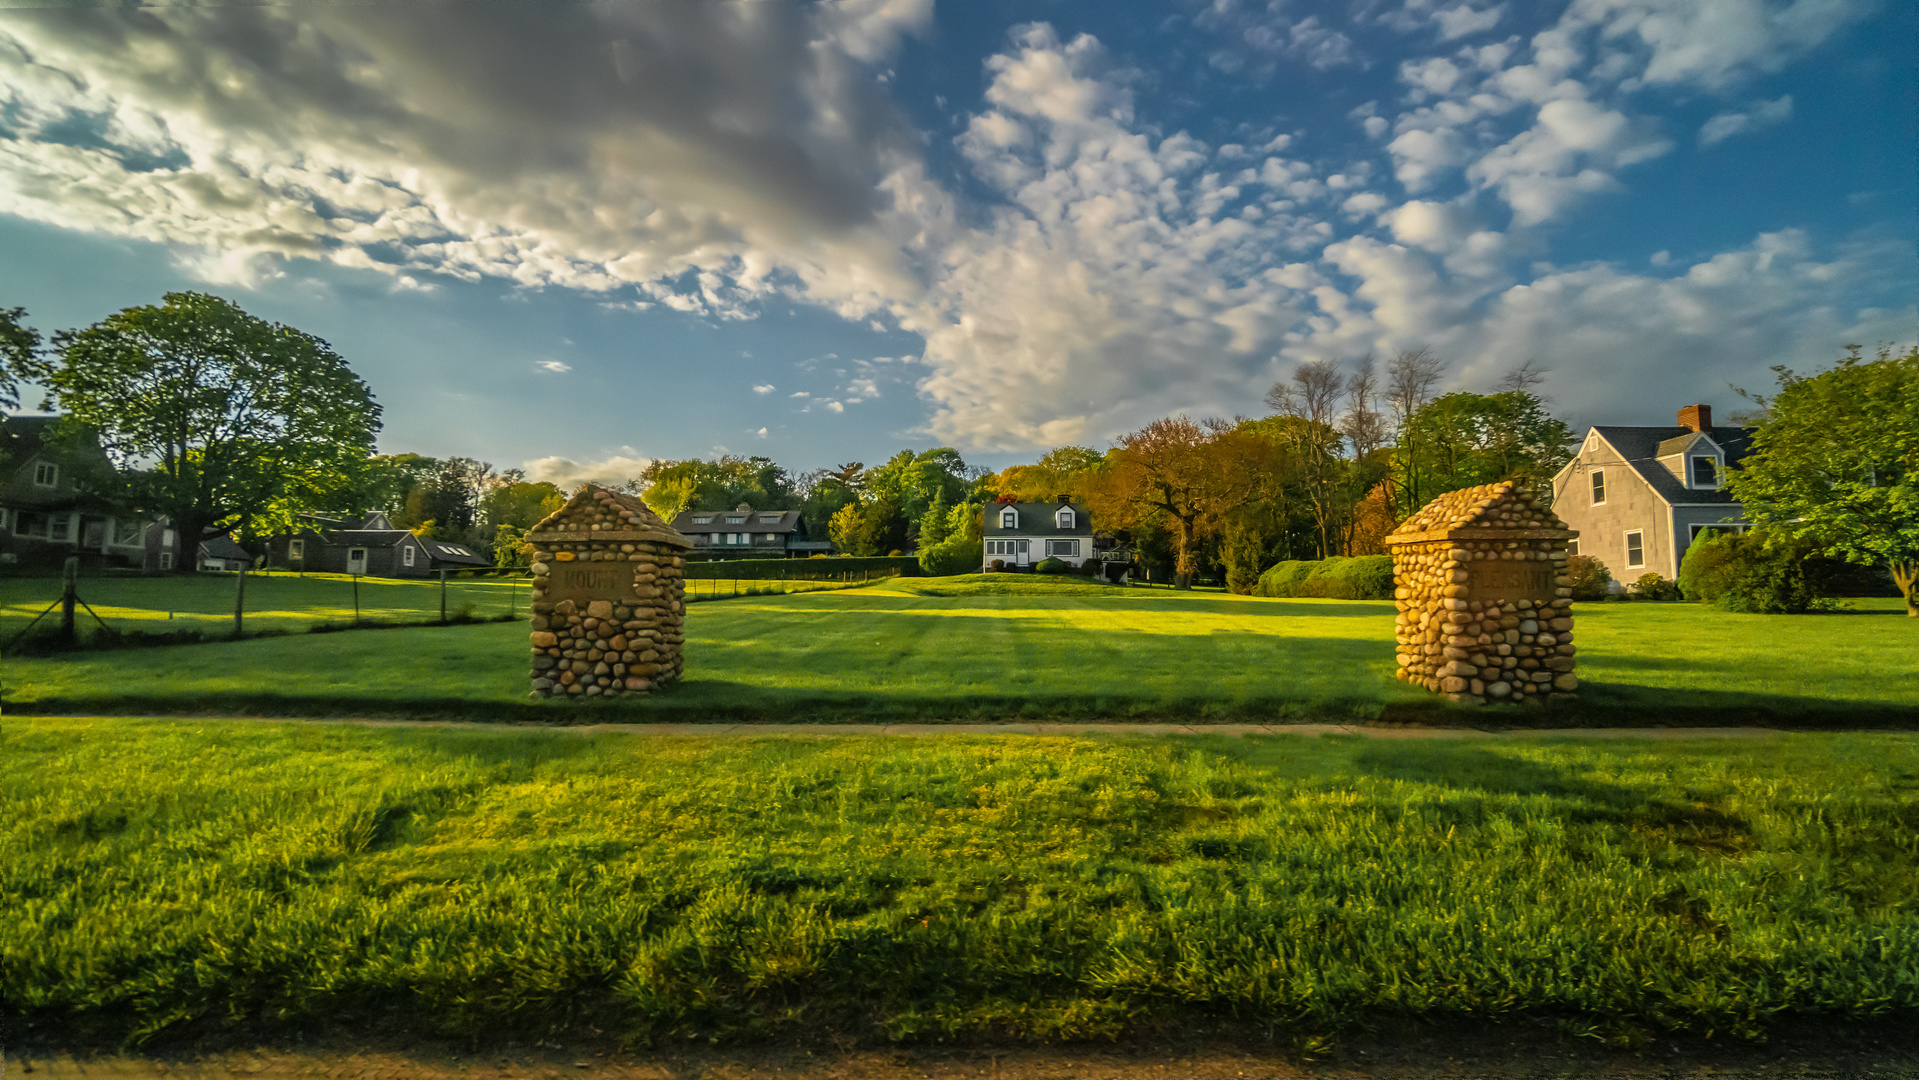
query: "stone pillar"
1485, 607
608, 598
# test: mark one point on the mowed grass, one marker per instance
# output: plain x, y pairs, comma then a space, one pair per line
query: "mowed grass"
171, 879
276, 601
1000, 647
291, 603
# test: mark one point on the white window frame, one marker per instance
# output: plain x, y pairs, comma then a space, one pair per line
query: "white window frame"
1064, 518
1692, 468
166, 560
406, 555
1628, 536
707, 520
60, 527
1009, 518
167, 537
736, 519
1599, 487
362, 560
297, 550
1066, 549
46, 474
22, 527
133, 528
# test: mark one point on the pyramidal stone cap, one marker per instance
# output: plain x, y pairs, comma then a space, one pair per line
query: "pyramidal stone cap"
1502, 511
624, 518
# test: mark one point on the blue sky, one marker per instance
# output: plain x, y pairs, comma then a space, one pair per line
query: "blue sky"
574, 237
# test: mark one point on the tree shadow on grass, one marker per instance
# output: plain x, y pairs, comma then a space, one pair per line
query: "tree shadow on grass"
1483, 771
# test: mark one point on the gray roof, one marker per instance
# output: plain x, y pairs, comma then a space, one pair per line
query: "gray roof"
1036, 519
442, 551
789, 521
1642, 447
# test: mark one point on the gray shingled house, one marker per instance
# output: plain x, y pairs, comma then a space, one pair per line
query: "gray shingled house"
369, 547
1640, 496
45, 513
746, 531
1021, 534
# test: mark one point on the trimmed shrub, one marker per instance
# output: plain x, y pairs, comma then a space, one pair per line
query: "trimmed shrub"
1740, 572
1366, 577
1050, 565
1590, 580
958, 555
1654, 587
998, 565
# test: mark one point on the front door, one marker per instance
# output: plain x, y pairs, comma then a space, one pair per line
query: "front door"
356, 561
1025, 553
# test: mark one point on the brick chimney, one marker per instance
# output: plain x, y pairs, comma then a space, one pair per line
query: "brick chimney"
1696, 417
1064, 499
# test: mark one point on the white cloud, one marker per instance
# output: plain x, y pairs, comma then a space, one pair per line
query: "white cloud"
764, 388
761, 433
1712, 43
1259, 36
555, 365
1763, 114
834, 406
693, 154
613, 470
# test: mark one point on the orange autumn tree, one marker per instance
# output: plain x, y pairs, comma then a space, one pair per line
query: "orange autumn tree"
1189, 475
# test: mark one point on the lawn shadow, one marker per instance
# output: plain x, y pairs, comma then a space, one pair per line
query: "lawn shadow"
1483, 771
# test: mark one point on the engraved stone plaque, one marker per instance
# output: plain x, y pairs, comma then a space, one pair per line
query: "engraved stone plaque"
584, 583
1503, 581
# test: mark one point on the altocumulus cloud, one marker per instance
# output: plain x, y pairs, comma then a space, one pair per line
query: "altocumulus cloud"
712, 157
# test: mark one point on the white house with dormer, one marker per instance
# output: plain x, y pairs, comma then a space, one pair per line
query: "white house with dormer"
1021, 534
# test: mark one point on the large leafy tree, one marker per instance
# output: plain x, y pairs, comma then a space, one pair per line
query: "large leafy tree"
1836, 462
1185, 475
217, 419
19, 345
1463, 440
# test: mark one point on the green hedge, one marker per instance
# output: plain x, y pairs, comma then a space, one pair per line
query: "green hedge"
959, 555
805, 569
1363, 577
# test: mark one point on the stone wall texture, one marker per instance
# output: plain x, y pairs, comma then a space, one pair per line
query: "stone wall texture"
608, 598
1485, 608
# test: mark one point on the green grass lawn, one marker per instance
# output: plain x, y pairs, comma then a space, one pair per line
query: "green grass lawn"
169, 878
291, 603
1005, 647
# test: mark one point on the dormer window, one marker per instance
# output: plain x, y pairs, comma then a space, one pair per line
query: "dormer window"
770, 519
736, 520
702, 521
1705, 472
1009, 518
1064, 519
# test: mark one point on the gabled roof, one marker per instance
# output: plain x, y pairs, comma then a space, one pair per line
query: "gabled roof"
223, 547
788, 521
619, 517
1489, 511
1036, 519
1642, 447
441, 551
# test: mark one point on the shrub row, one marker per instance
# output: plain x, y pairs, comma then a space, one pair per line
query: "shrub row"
1363, 577
805, 569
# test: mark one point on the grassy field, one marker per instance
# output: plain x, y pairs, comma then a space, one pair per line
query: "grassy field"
168, 879
291, 603
1005, 647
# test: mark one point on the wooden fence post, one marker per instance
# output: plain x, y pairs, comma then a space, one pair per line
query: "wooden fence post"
239, 600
